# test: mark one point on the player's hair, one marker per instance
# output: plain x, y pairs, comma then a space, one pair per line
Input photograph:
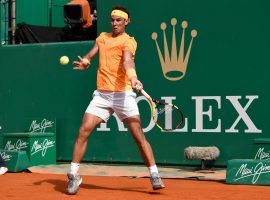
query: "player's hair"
122, 9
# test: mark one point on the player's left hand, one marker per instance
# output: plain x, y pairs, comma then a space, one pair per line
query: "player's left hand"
82, 64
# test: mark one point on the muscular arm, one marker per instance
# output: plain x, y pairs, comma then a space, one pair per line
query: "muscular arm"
128, 61
86, 60
91, 54
128, 64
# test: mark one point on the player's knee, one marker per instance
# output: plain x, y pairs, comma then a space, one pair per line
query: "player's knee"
137, 129
84, 132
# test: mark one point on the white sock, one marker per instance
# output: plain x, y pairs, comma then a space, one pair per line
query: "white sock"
153, 169
74, 168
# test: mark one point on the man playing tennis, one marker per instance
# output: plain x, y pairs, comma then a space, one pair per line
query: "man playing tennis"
116, 78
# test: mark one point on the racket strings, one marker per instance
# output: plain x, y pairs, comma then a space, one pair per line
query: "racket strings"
168, 117
164, 109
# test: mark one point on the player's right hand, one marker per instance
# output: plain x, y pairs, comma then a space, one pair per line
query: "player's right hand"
136, 84
82, 64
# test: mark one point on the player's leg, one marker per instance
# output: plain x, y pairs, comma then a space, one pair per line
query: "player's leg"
98, 111
89, 123
134, 126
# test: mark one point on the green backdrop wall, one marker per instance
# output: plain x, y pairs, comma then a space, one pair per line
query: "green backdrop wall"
224, 93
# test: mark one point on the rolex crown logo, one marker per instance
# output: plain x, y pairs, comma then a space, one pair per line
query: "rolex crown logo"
174, 66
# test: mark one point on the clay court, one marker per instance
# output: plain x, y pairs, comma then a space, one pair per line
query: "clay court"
30, 186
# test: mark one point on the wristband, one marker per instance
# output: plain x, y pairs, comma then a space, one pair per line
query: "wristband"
131, 73
88, 61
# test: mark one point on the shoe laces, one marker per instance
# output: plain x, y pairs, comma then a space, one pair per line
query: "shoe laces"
155, 178
72, 178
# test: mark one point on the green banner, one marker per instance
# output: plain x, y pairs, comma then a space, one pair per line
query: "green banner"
210, 58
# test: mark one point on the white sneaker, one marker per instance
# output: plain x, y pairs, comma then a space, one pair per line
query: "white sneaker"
74, 182
3, 170
156, 181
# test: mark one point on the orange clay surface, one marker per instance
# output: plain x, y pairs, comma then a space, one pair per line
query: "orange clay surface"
31, 186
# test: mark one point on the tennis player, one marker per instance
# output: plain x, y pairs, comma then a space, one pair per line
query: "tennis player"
116, 79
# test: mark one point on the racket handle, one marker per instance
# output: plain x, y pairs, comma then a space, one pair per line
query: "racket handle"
145, 94
140, 90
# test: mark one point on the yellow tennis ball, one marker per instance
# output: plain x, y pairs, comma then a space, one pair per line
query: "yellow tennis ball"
64, 60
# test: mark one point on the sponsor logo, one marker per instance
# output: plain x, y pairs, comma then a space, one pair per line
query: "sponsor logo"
174, 63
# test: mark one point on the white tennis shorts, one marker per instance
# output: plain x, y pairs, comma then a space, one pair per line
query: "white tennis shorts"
104, 104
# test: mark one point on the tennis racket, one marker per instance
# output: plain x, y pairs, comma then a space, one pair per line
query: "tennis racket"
166, 116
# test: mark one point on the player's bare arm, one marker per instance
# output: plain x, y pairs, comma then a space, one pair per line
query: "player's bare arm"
129, 65
85, 62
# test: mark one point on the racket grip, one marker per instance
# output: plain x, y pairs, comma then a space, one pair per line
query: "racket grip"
140, 90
